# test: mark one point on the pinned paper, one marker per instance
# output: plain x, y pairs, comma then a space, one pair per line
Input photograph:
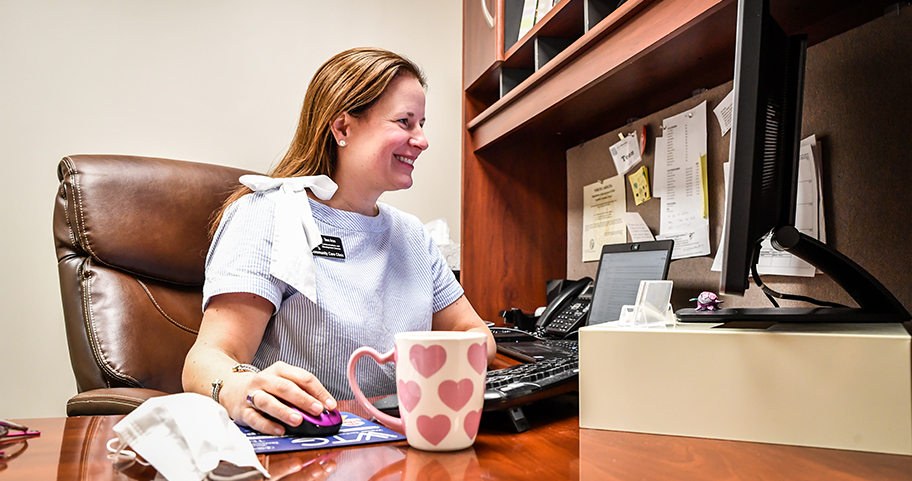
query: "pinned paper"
626, 153
724, 112
639, 181
636, 226
603, 203
808, 218
660, 168
685, 206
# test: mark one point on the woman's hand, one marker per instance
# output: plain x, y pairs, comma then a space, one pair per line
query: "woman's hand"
247, 396
230, 333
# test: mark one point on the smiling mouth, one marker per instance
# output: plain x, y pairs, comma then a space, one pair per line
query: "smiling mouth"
405, 159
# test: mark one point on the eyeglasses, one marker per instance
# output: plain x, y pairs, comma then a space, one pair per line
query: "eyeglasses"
12, 440
11, 430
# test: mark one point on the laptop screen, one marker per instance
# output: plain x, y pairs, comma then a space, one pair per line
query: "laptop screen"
621, 268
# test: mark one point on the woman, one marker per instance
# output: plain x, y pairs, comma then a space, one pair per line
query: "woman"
270, 304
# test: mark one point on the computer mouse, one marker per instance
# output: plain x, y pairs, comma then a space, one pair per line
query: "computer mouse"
326, 424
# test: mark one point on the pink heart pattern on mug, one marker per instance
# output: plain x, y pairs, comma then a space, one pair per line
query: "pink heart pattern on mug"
433, 429
427, 361
456, 395
478, 356
409, 394
471, 423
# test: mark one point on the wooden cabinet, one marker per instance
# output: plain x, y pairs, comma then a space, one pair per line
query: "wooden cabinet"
483, 37
608, 64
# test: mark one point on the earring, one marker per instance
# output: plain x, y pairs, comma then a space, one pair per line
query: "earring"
342, 143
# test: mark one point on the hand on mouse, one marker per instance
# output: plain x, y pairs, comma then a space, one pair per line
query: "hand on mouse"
249, 395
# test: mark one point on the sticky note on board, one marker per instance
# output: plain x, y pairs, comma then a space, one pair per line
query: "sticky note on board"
639, 181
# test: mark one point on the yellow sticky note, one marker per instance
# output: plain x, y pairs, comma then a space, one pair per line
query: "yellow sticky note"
705, 186
639, 181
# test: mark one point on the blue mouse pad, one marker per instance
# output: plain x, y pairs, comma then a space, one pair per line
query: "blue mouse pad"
355, 430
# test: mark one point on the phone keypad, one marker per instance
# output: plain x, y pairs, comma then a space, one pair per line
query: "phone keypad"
569, 316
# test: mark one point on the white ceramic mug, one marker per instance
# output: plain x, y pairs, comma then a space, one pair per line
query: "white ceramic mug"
440, 376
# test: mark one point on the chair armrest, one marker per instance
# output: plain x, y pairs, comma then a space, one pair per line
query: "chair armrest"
118, 400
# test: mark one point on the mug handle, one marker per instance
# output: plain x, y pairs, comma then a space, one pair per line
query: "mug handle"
392, 422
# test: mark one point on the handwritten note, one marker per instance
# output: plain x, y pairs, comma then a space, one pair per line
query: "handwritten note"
639, 182
636, 226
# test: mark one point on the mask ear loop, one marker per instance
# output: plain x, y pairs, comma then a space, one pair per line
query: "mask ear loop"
121, 454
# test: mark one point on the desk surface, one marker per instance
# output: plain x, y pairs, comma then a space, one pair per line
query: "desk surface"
554, 449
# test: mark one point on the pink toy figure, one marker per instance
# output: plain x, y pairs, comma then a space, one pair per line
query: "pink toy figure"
707, 301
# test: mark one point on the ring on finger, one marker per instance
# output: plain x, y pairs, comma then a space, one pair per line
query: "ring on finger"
250, 399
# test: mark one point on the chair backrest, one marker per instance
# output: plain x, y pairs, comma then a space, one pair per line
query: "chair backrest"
131, 238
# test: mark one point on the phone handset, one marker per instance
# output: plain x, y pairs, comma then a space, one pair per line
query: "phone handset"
567, 311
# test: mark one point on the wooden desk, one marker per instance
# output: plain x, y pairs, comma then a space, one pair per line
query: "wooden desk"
554, 449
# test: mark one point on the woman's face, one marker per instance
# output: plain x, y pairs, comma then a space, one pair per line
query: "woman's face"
384, 143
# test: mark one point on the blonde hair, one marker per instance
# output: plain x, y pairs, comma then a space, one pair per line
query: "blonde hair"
349, 82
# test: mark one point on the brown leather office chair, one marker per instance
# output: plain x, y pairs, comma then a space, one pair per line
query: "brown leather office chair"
131, 238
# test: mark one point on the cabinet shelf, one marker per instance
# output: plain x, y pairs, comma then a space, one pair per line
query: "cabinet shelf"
644, 56
563, 28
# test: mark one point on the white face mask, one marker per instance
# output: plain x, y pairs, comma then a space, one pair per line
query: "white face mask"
185, 436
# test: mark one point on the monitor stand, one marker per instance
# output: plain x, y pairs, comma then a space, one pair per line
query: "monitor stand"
876, 303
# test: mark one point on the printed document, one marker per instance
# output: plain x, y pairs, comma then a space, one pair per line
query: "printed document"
603, 204
808, 218
685, 209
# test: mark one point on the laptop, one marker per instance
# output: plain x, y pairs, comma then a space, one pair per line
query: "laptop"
621, 268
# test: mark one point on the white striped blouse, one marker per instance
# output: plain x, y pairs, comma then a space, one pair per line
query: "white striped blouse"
392, 279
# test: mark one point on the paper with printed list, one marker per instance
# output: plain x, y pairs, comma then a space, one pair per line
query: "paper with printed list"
603, 204
808, 218
680, 161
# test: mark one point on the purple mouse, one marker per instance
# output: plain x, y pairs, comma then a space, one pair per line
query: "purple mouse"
326, 424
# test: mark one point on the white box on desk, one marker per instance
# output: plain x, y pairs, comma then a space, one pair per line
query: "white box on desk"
843, 386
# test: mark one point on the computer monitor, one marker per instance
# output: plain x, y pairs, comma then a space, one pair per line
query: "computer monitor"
763, 169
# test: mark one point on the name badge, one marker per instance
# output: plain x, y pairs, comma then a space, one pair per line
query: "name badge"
330, 247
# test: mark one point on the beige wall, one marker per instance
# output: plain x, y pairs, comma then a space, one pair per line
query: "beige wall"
217, 81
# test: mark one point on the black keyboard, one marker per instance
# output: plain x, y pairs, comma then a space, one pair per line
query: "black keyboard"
515, 385
569, 344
